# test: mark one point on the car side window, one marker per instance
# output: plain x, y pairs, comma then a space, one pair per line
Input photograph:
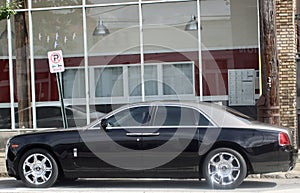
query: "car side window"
179, 116
175, 116
203, 121
136, 116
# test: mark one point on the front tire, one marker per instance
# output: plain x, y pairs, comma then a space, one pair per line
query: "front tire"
224, 168
38, 169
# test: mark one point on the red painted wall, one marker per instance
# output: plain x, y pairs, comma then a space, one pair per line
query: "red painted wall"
216, 65
4, 82
215, 69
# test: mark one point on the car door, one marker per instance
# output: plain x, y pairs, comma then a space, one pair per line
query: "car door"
175, 147
114, 152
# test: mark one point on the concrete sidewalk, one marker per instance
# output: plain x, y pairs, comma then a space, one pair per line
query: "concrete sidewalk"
295, 173
2, 164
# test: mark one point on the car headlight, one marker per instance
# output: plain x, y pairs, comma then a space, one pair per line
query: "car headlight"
6, 148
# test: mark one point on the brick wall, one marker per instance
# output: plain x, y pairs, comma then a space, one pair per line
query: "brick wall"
286, 41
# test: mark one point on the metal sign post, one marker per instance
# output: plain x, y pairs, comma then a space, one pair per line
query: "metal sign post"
56, 65
61, 98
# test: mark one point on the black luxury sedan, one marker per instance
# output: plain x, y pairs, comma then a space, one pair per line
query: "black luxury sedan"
154, 140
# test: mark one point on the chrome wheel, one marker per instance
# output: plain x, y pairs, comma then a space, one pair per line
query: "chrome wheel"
37, 169
224, 168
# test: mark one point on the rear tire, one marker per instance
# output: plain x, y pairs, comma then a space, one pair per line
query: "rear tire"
38, 169
224, 168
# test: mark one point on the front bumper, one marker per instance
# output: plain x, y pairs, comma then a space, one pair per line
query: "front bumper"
10, 161
10, 170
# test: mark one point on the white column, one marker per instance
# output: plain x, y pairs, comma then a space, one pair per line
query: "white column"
200, 51
142, 49
32, 75
11, 74
86, 69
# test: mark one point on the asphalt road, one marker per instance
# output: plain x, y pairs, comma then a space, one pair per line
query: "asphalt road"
153, 186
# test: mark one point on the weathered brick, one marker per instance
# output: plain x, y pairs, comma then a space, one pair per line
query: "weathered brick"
286, 42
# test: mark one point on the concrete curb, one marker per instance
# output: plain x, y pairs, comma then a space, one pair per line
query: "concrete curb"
279, 175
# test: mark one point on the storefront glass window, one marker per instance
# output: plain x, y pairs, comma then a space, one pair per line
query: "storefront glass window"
105, 62
55, 3
58, 30
4, 78
4, 81
150, 79
122, 35
62, 32
178, 79
229, 39
108, 1
167, 40
73, 83
109, 82
119, 45
3, 38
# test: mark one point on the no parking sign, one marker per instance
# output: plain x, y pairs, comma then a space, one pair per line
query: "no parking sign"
56, 64
56, 61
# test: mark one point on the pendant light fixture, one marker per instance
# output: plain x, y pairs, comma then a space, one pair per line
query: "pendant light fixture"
100, 29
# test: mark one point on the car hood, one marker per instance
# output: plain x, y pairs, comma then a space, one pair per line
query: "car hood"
50, 130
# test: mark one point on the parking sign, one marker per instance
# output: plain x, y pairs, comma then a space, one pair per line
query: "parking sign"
56, 61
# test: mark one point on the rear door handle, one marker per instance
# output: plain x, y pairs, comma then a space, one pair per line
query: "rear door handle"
141, 134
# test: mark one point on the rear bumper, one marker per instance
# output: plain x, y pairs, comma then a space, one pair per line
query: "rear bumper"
282, 160
294, 158
289, 164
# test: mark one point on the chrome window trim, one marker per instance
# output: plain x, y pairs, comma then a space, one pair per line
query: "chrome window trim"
159, 127
156, 104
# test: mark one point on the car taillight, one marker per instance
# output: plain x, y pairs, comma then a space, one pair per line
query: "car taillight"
284, 139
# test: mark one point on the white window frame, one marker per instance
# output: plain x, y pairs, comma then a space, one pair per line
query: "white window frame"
126, 98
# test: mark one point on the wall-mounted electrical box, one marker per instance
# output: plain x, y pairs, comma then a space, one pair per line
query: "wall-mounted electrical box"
241, 87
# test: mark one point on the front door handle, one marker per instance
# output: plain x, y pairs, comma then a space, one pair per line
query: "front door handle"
141, 134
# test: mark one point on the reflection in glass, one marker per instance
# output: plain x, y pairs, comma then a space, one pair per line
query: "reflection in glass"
109, 82
108, 1
164, 27
55, 3
74, 83
221, 19
4, 35
136, 116
150, 80
178, 78
62, 32
4, 81
123, 26
3, 39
